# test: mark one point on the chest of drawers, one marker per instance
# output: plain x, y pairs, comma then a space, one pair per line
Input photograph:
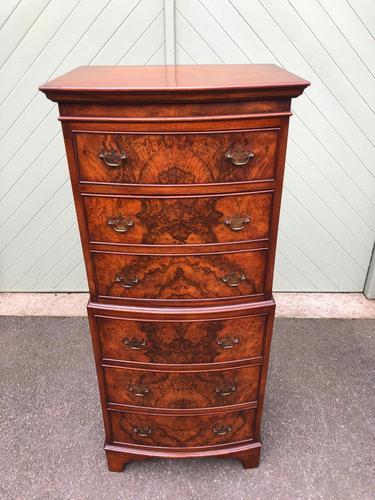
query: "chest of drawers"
177, 175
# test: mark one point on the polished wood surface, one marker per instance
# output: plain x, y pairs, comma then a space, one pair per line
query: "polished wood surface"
176, 158
183, 389
179, 220
182, 431
180, 277
177, 342
135, 79
177, 177
160, 112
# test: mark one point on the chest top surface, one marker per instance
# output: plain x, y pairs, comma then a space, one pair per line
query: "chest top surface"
231, 80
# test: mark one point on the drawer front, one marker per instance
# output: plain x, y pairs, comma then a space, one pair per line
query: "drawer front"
176, 221
185, 158
182, 390
176, 277
182, 431
182, 342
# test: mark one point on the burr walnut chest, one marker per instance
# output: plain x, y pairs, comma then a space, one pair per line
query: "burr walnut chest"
177, 176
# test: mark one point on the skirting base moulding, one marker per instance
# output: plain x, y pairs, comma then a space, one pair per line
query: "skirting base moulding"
177, 176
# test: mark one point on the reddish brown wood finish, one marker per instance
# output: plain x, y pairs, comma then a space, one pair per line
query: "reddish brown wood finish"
120, 455
179, 220
176, 158
181, 390
174, 83
184, 342
180, 277
181, 356
118, 112
182, 431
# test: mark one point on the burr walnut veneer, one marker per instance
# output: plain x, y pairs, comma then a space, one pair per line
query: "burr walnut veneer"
177, 176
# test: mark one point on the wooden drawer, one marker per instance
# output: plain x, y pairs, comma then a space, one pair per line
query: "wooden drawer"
176, 158
182, 430
176, 221
182, 389
180, 277
172, 342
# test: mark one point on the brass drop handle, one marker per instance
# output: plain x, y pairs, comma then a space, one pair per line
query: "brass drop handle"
233, 279
237, 222
142, 431
112, 158
139, 390
228, 342
134, 343
226, 390
126, 281
239, 158
120, 224
222, 430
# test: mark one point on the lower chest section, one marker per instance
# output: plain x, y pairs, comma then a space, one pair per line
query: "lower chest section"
189, 381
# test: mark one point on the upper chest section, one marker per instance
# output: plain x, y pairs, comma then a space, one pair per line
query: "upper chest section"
189, 125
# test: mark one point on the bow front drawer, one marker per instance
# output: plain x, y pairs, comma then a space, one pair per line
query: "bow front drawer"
182, 431
177, 221
179, 342
178, 158
182, 390
180, 277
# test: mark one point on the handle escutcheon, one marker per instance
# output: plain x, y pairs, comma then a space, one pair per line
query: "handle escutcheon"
225, 390
228, 342
234, 279
142, 431
134, 343
239, 158
237, 222
126, 281
112, 158
139, 390
222, 430
120, 224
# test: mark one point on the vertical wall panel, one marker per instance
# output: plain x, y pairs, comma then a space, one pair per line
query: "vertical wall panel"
327, 227
39, 244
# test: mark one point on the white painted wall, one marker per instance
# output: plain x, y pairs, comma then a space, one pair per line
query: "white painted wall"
327, 226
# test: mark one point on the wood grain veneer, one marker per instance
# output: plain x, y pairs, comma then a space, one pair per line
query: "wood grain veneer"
180, 390
177, 177
163, 158
181, 342
176, 278
183, 220
181, 430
